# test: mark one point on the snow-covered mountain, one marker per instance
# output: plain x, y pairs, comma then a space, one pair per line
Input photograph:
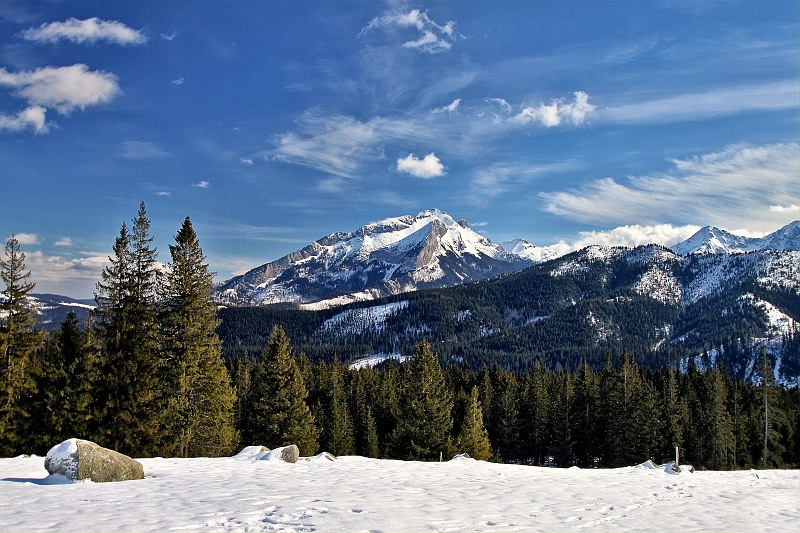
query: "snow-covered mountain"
711, 240
429, 250
392, 256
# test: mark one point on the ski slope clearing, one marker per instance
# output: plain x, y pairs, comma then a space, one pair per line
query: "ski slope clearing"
359, 494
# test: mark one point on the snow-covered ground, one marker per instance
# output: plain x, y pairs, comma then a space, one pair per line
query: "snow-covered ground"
358, 494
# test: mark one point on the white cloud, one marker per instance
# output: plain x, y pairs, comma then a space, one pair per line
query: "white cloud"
64, 241
169, 36
26, 238
245, 161
449, 108
69, 276
501, 102
794, 208
30, 117
142, 150
428, 167
332, 144
91, 30
203, 184
61, 88
432, 37
558, 111
733, 188
163, 193
696, 106
179, 81
636, 235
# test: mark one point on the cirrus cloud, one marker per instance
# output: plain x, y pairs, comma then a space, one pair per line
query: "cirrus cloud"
733, 188
428, 167
432, 38
90, 30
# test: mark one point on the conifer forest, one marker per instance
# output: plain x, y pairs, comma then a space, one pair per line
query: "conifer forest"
147, 376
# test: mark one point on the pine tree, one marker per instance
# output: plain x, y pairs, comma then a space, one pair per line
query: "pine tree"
425, 406
62, 408
242, 384
559, 422
200, 395
773, 418
365, 427
584, 410
473, 438
279, 414
18, 341
534, 414
130, 400
719, 423
337, 429
503, 426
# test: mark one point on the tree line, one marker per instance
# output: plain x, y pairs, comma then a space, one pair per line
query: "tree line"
147, 378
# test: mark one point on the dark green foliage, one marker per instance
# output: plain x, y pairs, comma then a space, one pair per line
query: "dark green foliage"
130, 399
473, 438
18, 341
278, 413
200, 397
424, 410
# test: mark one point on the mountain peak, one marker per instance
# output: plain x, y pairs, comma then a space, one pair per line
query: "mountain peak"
393, 255
713, 240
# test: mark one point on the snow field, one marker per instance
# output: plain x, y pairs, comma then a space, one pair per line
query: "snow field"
359, 494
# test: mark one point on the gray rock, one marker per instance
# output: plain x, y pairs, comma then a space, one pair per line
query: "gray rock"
290, 453
78, 459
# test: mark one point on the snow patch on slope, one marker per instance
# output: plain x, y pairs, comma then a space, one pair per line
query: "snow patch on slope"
358, 320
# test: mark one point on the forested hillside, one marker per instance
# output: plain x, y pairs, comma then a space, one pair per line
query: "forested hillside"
665, 308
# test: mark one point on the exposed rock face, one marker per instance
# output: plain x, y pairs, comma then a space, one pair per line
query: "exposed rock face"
78, 459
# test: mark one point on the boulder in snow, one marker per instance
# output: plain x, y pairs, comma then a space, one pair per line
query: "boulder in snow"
78, 459
286, 454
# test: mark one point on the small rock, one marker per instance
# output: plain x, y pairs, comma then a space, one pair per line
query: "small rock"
78, 459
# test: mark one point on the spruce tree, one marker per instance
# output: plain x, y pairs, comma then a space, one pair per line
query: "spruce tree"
200, 395
337, 431
18, 341
130, 400
473, 438
279, 415
584, 411
365, 428
534, 414
425, 406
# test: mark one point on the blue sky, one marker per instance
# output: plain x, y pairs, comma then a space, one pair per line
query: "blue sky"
274, 123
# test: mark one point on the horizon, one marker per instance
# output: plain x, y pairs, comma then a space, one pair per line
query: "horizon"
273, 124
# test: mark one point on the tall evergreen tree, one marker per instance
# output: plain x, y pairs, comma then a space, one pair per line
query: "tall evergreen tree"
584, 410
772, 418
425, 407
130, 400
534, 414
365, 428
336, 425
200, 395
64, 384
473, 438
718, 421
18, 341
279, 414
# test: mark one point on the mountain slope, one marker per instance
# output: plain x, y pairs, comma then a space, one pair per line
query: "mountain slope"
382, 258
